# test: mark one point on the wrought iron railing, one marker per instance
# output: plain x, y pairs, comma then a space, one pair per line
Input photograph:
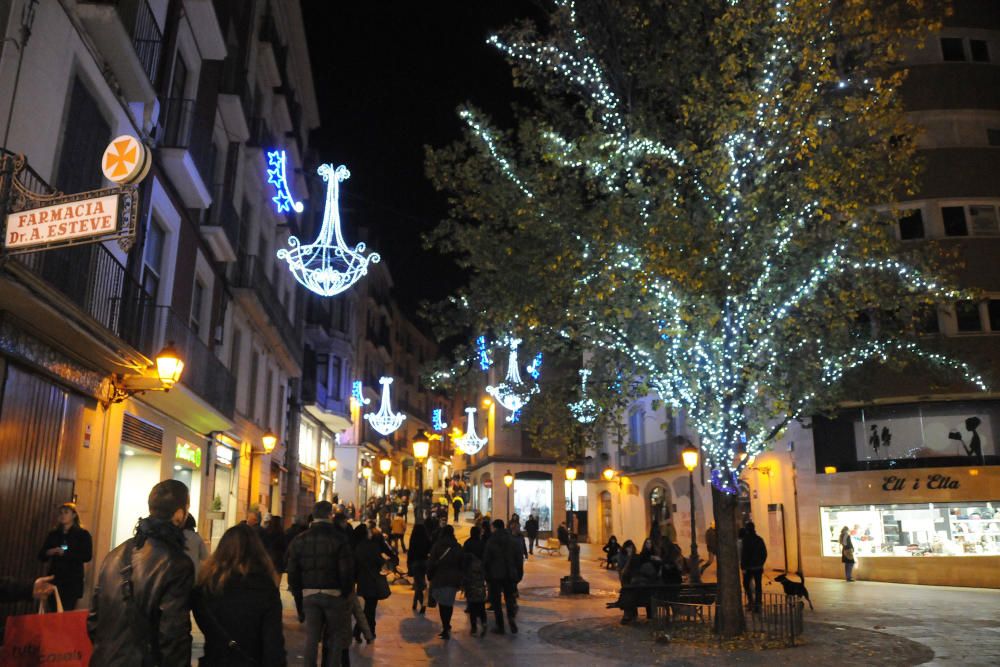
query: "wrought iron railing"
778, 617
236, 81
141, 26
223, 214
178, 120
251, 275
658, 454
203, 373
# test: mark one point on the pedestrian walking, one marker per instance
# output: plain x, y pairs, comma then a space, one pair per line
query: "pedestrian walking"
194, 546
398, 533
504, 568
444, 568
275, 543
237, 604
752, 561
141, 613
474, 582
66, 548
456, 505
416, 563
712, 543
847, 553
321, 578
562, 534
515, 532
372, 584
531, 530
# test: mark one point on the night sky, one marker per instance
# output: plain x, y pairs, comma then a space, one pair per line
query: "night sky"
389, 77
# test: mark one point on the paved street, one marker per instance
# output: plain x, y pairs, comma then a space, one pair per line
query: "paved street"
961, 626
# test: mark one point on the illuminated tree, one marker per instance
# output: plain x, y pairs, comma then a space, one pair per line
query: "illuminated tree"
699, 189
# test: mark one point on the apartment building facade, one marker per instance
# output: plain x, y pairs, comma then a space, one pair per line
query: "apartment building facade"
208, 87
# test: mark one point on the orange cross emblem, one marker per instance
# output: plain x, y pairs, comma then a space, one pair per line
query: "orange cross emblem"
123, 158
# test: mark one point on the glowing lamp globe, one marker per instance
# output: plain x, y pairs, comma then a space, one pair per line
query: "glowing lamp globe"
508, 479
385, 465
689, 455
571, 473
421, 448
269, 441
608, 474
366, 471
169, 366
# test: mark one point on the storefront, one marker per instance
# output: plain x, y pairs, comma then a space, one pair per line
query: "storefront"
533, 497
187, 469
224, 510
139, 470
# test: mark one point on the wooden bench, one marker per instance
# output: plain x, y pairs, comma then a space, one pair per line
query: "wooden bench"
634, 596
551, 545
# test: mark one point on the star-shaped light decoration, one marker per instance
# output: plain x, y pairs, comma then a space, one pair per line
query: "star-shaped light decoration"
513, 393
385, 421
278, 177
470, 442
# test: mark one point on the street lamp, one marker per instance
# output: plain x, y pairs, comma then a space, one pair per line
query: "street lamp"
421, 448
689, 455
571, 477
169, 366
508, 481
269, 440
608, 474
385, 465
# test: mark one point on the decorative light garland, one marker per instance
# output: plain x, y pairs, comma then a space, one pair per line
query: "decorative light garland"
327, 266
485, 358
385, 421
277, 176
585, 410
470, 443
512, 393
437, 420
357, 394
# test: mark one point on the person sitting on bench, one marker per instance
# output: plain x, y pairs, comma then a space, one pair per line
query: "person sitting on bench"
611, 550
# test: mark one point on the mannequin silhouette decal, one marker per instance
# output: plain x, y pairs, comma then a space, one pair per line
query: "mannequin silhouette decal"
874, 440
975, 447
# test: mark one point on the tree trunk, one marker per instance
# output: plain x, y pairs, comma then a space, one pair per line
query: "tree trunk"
729, 622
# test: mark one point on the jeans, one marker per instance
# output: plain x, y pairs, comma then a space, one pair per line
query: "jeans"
505, 586
849, 570
753, 594
371, 605
531, 543
327, 618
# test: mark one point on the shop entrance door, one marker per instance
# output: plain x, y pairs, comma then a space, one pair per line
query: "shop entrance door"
606, 527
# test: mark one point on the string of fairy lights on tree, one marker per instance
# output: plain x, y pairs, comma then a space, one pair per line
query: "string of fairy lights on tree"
723, 358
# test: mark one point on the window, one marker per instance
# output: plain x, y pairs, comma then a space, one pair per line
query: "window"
927, 321
308, 447
152, 258
252, 386
993, 310
636, 427
234, 353
322, 361
954, 221
268, 398
911, 225
335, 378
952, 49
85, 136
979, 50
197, 300
967, 316
969, 528
984, 220
993, 136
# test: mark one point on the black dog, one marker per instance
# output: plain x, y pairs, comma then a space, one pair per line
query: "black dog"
796, 588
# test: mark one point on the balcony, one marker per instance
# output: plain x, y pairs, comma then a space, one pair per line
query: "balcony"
184, 161
221, 227
260, 135
659, 454
257, 296
204, 374
130, 40
235, 99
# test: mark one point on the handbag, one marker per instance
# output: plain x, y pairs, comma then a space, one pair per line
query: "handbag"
432, 566
58, 639
382, 590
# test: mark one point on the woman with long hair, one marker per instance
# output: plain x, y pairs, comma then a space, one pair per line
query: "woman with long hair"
847, 553
66, 548
416, 561
372, 584
444, 568
237, 605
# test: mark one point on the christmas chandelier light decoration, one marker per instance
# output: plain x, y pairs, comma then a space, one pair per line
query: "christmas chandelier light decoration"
437, 419
485, 359
513, 393
385, 421
584, 410
277, 176
358, 395
326, 266
470, 443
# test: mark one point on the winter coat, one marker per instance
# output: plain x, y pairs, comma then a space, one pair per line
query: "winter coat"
368, 563
246, 611
474, 546
531, 527
847, 549
196, 550
563, 534
754, 552
275, 543
473, 578
68, 568
502, 558
155, 629
444, 567
321, 557
712, 541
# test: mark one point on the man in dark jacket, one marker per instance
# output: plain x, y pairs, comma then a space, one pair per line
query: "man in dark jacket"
752, 559
141, 612
321, 578
504, 565
531, 529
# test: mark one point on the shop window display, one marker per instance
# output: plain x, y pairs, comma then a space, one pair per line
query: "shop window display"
970, 528
534, 496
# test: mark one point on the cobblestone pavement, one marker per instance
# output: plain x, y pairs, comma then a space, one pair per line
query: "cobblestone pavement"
951, 626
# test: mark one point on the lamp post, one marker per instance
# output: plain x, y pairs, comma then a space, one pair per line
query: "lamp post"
366, 473
574, 584
508, 481
689, 455
385, 465
571, 477
421, 448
